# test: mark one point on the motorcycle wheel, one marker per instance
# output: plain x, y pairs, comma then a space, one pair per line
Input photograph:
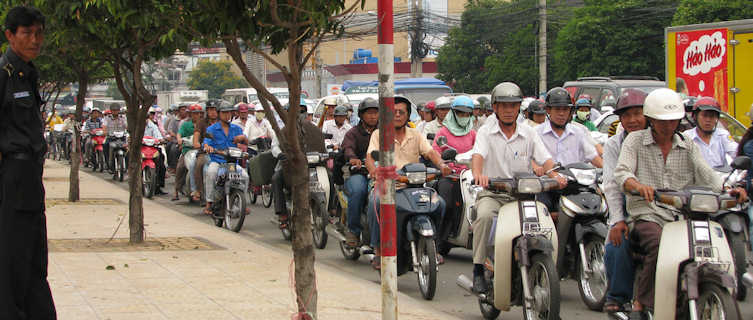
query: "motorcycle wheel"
318, 223
146, 184
737, 246
427, 267
252, 194
101, 160
714, 302
266, 195
593, 289
350, 253
545, 288
121, 171
488, 311
235, 212
444, 247
287, 232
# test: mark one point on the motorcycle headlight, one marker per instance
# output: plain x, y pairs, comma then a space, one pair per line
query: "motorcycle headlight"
584, 177
234, 152
416, 177
118, 134
529, 185
143, 155
148, 142
707, 203
313, 158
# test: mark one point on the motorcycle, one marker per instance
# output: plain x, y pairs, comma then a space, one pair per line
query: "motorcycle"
735, 221
229, 206
58, 141
337, 229
265, 190
415, 225
695, 274
460, 230
520, 268
118, 147
97, 160
582, 230
150, 154
319, 193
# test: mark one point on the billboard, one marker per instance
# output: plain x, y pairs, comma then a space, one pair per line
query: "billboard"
701, 61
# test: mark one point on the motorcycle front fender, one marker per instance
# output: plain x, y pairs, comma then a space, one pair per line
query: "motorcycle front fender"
147, 163
596, 227
422, 226
733, 222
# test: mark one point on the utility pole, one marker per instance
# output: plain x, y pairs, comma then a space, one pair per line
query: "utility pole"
416, 66
387, 218
318, 73
542, 46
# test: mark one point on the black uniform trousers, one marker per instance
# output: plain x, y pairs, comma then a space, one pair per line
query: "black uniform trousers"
24, 290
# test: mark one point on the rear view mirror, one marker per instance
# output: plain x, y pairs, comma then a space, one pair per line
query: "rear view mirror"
742, 163
449, 154
441, 141
375, 155
328, 136
430, 136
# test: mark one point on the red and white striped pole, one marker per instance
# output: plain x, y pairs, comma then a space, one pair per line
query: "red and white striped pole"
387, 219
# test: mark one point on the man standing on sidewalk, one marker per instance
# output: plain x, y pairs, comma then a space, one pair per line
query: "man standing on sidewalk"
24, 290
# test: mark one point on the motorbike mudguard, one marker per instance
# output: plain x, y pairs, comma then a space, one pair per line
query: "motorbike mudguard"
508, 228
420, 225
674, 250
416, 200
733, 222
147, 163
596, 227
323, 176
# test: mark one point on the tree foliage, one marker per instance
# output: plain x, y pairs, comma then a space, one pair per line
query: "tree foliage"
215, 77
610, 37
705, 11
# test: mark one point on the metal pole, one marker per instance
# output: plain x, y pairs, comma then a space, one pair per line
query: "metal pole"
542, 46
387, 220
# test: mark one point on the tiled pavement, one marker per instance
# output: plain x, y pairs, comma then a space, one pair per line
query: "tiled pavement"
234, 278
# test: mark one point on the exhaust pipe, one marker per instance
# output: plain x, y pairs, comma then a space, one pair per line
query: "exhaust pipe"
332, 230
467, 284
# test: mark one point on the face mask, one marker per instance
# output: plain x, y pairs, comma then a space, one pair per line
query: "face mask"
583, 115
463, 121
259, 116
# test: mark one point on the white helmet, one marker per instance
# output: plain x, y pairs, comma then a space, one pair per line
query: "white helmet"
442, 102
309, 109
664, 104
330, 101
258, 108
525, 103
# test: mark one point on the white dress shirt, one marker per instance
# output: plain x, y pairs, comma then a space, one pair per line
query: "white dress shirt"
505, 156
338, 133
569, 148
719, 147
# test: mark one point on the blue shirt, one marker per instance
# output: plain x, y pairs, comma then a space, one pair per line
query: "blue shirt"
220, 140
152, 130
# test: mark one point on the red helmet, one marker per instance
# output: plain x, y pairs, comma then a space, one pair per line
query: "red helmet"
242, 107
107, 111
195, 108
630, 98
706, 103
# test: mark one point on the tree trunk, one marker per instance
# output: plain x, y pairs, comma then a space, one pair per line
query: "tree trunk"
73, 181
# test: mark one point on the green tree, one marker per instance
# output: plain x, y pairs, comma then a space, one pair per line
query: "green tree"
297, 27
215, 77
609, 37
113, 91
705, 11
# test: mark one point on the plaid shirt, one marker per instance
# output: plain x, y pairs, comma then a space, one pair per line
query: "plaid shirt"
641, 159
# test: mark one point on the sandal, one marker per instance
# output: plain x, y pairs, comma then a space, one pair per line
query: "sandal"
208, 211
611, 306
440, 259
176, 198
195, 196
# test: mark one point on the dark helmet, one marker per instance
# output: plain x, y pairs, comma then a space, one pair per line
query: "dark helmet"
507, 92
341, 111
558, 97
630, 98
366, 104
689, 102
706, 103
403, 99
225, 106
536, 107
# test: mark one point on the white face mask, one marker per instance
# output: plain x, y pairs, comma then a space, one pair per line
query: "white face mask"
583, 115
259, 116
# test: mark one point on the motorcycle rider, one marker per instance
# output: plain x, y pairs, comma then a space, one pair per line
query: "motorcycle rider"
566, 142
653, 158
409, 145
259, 126
172, 125
441, 109
502, 148
68, 126
151, 130
714, 142
337, 127
223, 135
617, 257
188, 153
94, 122
354, 146
458, 129
116, 122
427, 115
536, 113
242, 119
202, 160
583, 109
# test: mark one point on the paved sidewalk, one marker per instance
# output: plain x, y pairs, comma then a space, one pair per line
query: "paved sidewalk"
229, 278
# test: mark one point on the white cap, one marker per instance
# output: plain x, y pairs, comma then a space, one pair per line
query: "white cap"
442, 102
330, 101
258, 107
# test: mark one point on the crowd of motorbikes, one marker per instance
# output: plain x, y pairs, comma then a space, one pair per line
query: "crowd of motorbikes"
702, 255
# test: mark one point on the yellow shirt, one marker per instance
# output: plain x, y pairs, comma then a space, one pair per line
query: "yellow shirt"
51, 122
407, 151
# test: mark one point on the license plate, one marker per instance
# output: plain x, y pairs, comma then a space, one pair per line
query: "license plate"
234, 176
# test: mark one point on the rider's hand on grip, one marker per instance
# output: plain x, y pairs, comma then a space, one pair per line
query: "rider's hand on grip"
355, 163
481, 180
740, 194
208, 149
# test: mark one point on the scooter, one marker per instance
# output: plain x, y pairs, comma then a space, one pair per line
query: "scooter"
735, 221
582, 230
520, 268
150, 154
460, 230
98, 153
229, 206
118, 150
695, 273
265, 190
415, 206
319, 193
337, 229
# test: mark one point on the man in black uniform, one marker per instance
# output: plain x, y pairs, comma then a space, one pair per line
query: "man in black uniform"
24, 290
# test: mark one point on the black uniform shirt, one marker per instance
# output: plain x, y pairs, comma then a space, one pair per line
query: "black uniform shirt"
21, 129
